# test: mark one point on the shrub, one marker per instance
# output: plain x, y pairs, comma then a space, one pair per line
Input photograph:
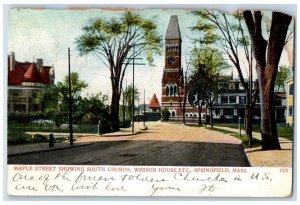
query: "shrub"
165, 114
39, 138
15, 137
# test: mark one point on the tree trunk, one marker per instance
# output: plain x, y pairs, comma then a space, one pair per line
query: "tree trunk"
199, 110
267, 55
211, 116
124, 112
268, 124
199, 115
248, 123
114, 108
183, 109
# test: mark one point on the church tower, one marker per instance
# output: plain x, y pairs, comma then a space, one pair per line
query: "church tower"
172, 80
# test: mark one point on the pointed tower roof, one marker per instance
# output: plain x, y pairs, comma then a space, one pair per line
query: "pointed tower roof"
32, 74
154, 102
173, 31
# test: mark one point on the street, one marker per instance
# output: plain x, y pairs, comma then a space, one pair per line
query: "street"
162, 144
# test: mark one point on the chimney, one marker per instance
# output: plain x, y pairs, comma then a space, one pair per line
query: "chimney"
39, 64
12, 61
52, 74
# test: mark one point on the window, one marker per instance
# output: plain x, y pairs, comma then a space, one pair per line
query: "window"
277, 102
191, 115
232, 99
291, 89
15, 94
34, 94
171, 90
175, 90
195, 115
173, 113
167, 90
217, 111
224, 99
228, 111
242, 99
290, 110
231, 86
258, 99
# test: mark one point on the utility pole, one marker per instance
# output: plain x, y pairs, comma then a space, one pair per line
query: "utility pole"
144, 118
133, 63
138, 110
70, 101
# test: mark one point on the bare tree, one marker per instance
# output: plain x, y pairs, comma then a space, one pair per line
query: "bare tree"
226, 32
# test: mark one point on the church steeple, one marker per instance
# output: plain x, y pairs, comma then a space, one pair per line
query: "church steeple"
173, 31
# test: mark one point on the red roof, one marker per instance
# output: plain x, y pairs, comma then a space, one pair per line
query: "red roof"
32, 74
154, 102
27, 72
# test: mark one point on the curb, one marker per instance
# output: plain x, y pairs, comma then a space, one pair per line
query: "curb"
122, 135
47, 150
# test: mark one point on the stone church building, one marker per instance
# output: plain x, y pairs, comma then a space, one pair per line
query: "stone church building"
173, 79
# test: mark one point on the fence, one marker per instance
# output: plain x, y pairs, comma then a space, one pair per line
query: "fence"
49, 127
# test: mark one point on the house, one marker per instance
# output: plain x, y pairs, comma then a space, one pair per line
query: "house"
25, 80
231, 103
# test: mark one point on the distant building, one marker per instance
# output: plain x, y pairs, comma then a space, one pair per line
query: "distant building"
25, 80
154, 104
152, 110
231, 103
173, 81
290, 101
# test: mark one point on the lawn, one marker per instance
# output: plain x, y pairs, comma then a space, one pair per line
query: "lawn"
283, 131
243, 138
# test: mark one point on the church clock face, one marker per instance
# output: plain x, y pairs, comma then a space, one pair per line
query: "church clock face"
171, 60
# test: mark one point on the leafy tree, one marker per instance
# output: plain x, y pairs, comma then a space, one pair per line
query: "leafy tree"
208, 63
267, 53
116, 41
282, 75
48, 100
54, 99
227, 33
93, 108
128, 99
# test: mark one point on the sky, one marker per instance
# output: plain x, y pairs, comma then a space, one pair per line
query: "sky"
47, 34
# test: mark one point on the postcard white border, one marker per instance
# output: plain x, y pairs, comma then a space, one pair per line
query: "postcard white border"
32, 2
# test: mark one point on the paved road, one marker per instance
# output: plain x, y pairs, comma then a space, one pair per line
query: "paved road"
162, 144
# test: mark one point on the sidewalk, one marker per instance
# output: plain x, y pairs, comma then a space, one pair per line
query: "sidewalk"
270, 158
80, 139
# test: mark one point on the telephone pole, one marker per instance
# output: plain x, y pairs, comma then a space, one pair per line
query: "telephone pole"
133, 63
70, 101
144, 118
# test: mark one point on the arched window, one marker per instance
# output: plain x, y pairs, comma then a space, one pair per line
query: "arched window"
171, 90
175, 90
167, 90
191, 115
173, 113
195, 115
186, 115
